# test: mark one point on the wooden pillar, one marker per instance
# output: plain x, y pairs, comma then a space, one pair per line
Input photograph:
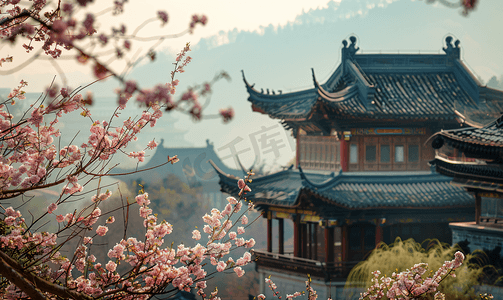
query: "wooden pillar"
269, 232
344, 243
310, 240
329, 244
344, 153
304, 241
344, 249
296, 236
297, 152
478, 208
281, 234
315, 238
379, 232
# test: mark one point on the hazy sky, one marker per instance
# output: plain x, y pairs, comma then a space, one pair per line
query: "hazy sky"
223, 15
276, 43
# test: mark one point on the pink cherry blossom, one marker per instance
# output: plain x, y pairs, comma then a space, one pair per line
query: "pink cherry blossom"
111, 266
101, 230
196, 235
52, 207
221, 266
241, 184
244, 220
232, 200
239, 271
152, 144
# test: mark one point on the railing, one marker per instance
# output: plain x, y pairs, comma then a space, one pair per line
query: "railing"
327, 271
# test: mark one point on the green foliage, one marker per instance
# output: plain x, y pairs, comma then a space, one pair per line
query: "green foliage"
402, 255
492, 264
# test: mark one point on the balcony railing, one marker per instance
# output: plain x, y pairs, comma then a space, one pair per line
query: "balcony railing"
327, 271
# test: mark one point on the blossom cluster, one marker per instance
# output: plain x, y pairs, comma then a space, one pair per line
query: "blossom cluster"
410, 284
32, 160
405, 285
310, 292
31, 155
70, 26
153, 267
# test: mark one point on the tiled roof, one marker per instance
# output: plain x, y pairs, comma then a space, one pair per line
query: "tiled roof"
478, 172
399, 86
477, 184
405, 95
408, 190
484, 143
392, 191
295, 105
490, 135
193, 165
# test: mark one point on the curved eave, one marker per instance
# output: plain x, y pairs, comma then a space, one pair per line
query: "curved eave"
459, 142
228, 184
464, 120
274, 98
261, 204
339, 96
327, 183
472, 171
282, 106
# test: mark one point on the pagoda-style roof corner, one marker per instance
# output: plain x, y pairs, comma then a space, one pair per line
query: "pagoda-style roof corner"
248, 86
316, 84
220, 172
329, 180
485, 142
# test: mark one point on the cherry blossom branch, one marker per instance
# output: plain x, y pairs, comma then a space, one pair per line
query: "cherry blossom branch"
27, 282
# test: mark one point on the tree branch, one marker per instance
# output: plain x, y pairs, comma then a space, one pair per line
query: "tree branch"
26, 281
19, 280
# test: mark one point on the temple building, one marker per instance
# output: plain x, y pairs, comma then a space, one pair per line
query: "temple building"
362, 173
473, 157
193, 169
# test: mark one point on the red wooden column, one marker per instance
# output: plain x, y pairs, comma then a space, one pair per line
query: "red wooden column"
297, 151
281, 233
315, 237
329, 244
304, 240
296, 236
478, 208
344, 153
344, 248
269, 232
378, 232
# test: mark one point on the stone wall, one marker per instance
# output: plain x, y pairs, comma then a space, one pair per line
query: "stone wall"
480, 237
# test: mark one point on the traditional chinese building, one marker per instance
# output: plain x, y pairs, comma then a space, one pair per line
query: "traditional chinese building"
473, 157
362, 173
193, 169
